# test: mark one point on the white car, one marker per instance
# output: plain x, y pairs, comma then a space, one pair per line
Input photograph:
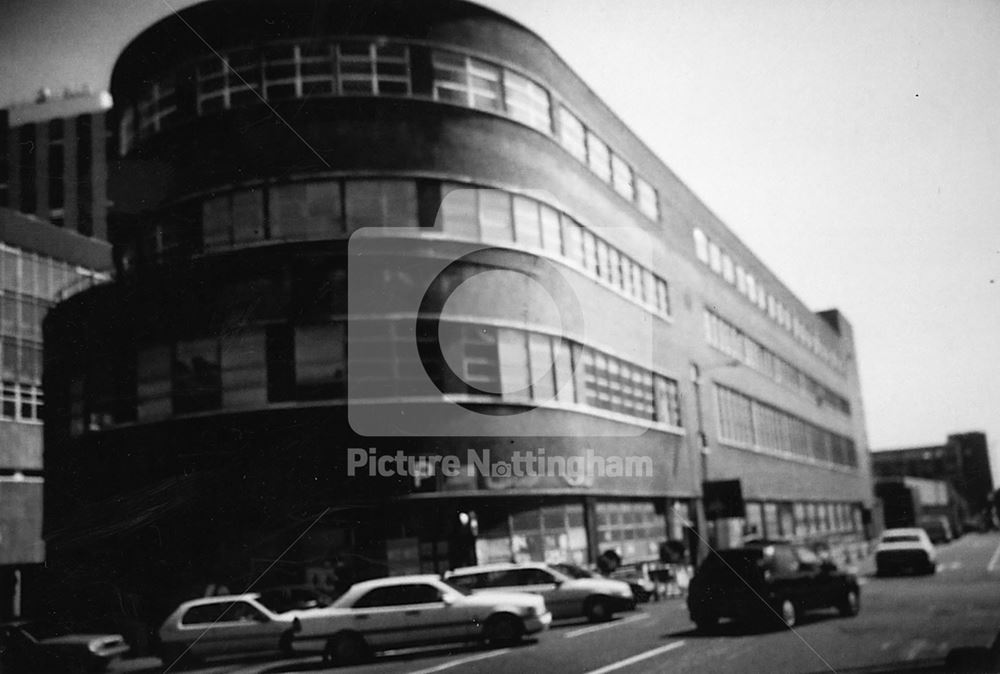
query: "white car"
408, 611
596, 598
905, 550
226, 626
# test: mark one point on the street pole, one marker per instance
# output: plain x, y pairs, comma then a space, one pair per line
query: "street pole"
702, 447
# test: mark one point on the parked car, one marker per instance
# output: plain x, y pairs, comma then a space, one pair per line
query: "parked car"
775, 581
596, 598
937, 527
905, 550
44, 647
642, 588
226, 625
408, 611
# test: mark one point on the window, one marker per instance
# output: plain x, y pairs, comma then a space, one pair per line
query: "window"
542, 370
320, 361
621, 177
527, 225
514, 374
647, 199
157, 107
373, 69
527, 102
281, 72
572, 134
573, 237
305, 211
466, 81
714, 257
551, 237
662, 297
459, 212
399, 595
495, 216
197, 385
316, 69
380, 203
727, 269
598, 157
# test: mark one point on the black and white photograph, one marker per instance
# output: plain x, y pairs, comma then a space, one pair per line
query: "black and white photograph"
499, 336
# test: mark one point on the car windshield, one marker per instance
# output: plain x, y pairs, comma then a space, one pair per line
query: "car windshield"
901, 538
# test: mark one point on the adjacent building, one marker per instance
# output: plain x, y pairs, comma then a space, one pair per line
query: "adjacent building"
350, 234
52, 231
963, 461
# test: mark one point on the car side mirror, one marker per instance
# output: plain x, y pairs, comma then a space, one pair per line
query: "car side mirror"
559, 582
448, 599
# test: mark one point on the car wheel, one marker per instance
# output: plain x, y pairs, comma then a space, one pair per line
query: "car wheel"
850, 604
597, 610
504, 629
707, 623
345, 649
788, 613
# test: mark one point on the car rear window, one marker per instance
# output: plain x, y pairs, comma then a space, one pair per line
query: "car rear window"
901, 538
745, 562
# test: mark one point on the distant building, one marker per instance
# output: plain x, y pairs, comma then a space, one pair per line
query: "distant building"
964, 461
906, 500
52, 170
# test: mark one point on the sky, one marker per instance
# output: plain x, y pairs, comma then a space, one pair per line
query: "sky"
854, 145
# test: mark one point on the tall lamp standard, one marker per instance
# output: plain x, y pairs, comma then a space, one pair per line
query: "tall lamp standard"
706, 525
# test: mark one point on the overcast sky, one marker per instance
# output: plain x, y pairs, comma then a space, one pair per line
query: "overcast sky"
853, 145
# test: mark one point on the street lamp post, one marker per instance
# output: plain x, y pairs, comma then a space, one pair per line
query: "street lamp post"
704, 523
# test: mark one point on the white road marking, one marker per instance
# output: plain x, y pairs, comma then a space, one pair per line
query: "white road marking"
637, 658
462, 661
886, 645
604, 626
994, 560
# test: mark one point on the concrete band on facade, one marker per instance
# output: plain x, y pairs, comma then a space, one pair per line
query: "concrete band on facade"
201, 413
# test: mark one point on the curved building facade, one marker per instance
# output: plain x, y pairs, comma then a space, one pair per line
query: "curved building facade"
398, 292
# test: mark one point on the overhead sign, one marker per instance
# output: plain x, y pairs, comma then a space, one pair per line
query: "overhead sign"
723, 498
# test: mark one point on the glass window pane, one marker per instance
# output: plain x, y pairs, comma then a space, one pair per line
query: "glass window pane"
495, 215
197, 383
319, 361
598, 157
380, 203
248, 216
572, 134
565, 387
513, 351
459, 214
305, 211
217, 222
572, 240
527, 227
551, 239
543, 386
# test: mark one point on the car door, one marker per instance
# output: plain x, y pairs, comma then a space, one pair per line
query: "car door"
562, 603
229, 628
816, 584
408, 614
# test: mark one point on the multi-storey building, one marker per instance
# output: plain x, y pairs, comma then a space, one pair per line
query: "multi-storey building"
52, 226
963, 460
352, 230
